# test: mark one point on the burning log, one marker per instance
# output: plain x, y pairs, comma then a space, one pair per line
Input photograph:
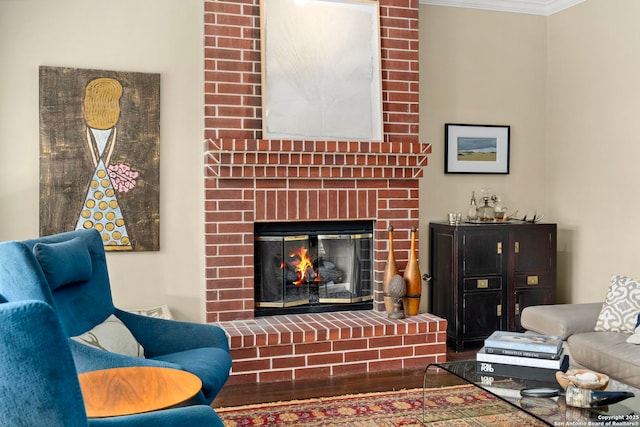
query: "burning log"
302, 264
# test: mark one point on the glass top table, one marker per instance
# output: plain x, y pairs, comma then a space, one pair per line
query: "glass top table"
546, 410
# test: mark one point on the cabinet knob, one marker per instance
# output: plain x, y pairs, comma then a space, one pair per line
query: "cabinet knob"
532, 280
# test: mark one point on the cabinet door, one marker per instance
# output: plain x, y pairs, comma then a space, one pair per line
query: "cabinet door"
524, 298
482, 314
532, 248
532, 269
482, 252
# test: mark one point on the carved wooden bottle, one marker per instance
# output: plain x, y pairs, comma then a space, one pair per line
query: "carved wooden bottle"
390, 270
413, 279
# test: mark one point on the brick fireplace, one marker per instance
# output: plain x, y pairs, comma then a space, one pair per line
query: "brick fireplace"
252, 180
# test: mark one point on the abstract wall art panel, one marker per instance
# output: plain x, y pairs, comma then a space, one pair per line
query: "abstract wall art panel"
100, 155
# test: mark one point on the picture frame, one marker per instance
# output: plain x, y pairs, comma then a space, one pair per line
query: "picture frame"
318, 80
472, 148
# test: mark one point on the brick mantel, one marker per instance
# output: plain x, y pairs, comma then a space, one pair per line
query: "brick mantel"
276, 159
249, 179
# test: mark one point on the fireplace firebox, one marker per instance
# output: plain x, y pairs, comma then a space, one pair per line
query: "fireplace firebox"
304, 267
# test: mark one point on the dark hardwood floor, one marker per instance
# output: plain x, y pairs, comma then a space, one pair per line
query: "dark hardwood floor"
245, 394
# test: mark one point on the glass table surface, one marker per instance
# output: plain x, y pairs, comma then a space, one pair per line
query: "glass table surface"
551, 410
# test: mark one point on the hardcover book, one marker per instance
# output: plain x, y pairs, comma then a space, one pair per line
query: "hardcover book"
515, 371
556, 364
522, 353
524, 342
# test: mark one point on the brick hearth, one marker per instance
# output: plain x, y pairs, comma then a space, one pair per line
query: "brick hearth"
249, 179
284, 348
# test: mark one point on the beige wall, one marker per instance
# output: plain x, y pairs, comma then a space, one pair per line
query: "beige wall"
593, 142
568, 85
482, 67
156, 36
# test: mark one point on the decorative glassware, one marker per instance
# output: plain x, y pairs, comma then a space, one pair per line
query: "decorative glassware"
498, 208
472, 213
486, 211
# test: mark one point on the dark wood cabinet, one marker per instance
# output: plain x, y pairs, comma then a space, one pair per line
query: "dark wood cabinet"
484, 275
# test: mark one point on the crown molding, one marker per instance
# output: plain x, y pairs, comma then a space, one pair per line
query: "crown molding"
532, 7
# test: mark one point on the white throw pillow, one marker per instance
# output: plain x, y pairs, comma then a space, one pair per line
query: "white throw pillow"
159, 312
635, 337
620, 310
113, 336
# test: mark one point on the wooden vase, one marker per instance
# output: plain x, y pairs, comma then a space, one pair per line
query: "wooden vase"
390, 270
413, 279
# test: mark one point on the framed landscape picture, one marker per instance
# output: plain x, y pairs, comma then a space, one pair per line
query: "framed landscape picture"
476, 148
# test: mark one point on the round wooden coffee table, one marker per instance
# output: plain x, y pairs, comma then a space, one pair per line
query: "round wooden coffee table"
133, 390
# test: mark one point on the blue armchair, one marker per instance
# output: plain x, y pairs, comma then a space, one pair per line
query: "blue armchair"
39, 383
69, 272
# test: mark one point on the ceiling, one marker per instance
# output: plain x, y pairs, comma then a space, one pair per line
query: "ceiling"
533, 7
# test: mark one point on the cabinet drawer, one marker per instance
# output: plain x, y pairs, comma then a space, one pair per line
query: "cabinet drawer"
482, 283
533, 280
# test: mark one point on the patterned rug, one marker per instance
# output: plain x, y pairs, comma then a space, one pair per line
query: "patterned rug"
462, 406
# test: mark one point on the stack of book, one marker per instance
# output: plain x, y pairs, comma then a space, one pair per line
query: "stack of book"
527, 356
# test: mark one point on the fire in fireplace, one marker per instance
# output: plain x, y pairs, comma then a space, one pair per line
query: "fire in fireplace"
306, 267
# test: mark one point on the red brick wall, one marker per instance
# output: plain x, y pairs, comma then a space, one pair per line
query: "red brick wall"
249, 179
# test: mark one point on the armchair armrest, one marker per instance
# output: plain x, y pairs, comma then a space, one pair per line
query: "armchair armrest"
88, 359
160, 336
563, 320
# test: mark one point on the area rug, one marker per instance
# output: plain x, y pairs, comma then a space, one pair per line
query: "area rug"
458, 406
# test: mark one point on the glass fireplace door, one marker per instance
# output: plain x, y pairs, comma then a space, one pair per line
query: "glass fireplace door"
344, 268
278, 282
302, 267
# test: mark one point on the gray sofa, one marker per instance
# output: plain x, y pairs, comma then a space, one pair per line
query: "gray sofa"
605, 352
